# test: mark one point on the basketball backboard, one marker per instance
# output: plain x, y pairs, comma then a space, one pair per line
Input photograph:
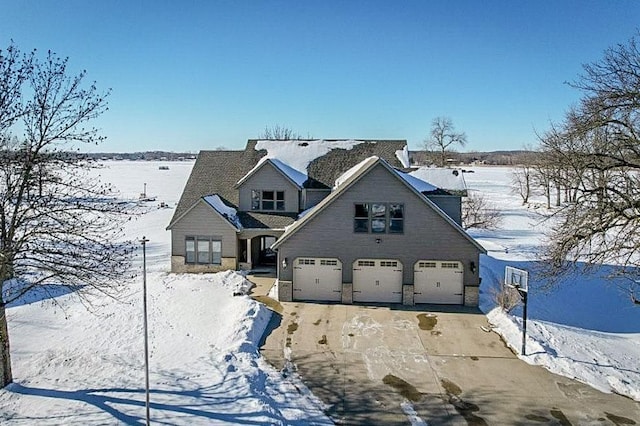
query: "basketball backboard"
516, 278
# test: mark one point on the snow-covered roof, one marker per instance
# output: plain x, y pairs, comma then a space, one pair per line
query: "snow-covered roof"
298, 177
352, 175
228, 212
294, 175
297, 154
353, 171
449, 179
418, 184
403, 156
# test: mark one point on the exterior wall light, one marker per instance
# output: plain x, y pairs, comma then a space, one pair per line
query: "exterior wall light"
472, 267
285, 263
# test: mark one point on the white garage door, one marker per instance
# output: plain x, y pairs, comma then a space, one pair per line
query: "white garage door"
317, 279
438, 282
377, 280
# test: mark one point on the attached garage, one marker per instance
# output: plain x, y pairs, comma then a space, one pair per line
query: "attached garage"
438, 282
317, 279
377, 280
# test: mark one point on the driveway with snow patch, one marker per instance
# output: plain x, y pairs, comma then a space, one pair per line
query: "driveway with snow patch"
426, 365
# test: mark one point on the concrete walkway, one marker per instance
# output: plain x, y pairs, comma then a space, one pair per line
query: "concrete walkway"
368, 362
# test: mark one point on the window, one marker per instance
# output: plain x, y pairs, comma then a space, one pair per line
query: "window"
449, 265
388, 264
379, 218
328, 262
306, 262
203, 250
366, 263
267, 200
427, 265
361, 218
396, 218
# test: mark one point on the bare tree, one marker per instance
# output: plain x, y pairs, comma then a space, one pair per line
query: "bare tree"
58, 224
444, 138
479, 213
522, 175
599, 142
280, 133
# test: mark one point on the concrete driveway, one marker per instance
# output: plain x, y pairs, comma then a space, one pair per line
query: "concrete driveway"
381, 364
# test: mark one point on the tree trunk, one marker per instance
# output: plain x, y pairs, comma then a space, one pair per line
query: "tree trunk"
6, 375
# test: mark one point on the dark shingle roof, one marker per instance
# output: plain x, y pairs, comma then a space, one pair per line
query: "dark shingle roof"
324, 170
255, 220
217, 172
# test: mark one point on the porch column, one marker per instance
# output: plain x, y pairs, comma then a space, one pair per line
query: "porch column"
249, 252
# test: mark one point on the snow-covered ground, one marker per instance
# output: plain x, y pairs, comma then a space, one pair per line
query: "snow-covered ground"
72, 366
585, 327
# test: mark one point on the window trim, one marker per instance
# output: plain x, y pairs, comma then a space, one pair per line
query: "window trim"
196, 239
358, 221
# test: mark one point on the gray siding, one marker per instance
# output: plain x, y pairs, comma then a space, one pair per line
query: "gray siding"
426, 234
314, 196
268, 178
450, 204
203, 220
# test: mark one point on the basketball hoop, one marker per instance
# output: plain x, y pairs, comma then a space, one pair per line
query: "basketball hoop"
519, 280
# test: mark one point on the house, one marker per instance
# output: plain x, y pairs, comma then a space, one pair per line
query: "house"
339, 219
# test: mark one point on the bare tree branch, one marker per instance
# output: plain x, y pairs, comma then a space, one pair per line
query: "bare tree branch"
594, 154
59, 226
444, 137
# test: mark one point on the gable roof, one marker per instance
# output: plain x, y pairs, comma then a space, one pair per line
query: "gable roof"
294, 176
215, 172
213, 202
218, 172
355, 175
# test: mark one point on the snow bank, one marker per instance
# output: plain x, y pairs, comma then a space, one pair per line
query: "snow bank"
298, 154
72, 366
584, 327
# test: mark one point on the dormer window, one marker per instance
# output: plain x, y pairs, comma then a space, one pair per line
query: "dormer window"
267, 200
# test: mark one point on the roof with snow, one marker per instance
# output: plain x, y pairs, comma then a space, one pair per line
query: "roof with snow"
352, 175
296, 177
225, 211
445, 178
218, 172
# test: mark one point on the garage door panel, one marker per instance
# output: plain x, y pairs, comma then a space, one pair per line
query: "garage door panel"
438, 282
317, 279
377, 280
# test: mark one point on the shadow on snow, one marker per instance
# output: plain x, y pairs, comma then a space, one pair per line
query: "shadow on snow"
594, 301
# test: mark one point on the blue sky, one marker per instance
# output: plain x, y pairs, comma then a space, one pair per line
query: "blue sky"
191, 75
